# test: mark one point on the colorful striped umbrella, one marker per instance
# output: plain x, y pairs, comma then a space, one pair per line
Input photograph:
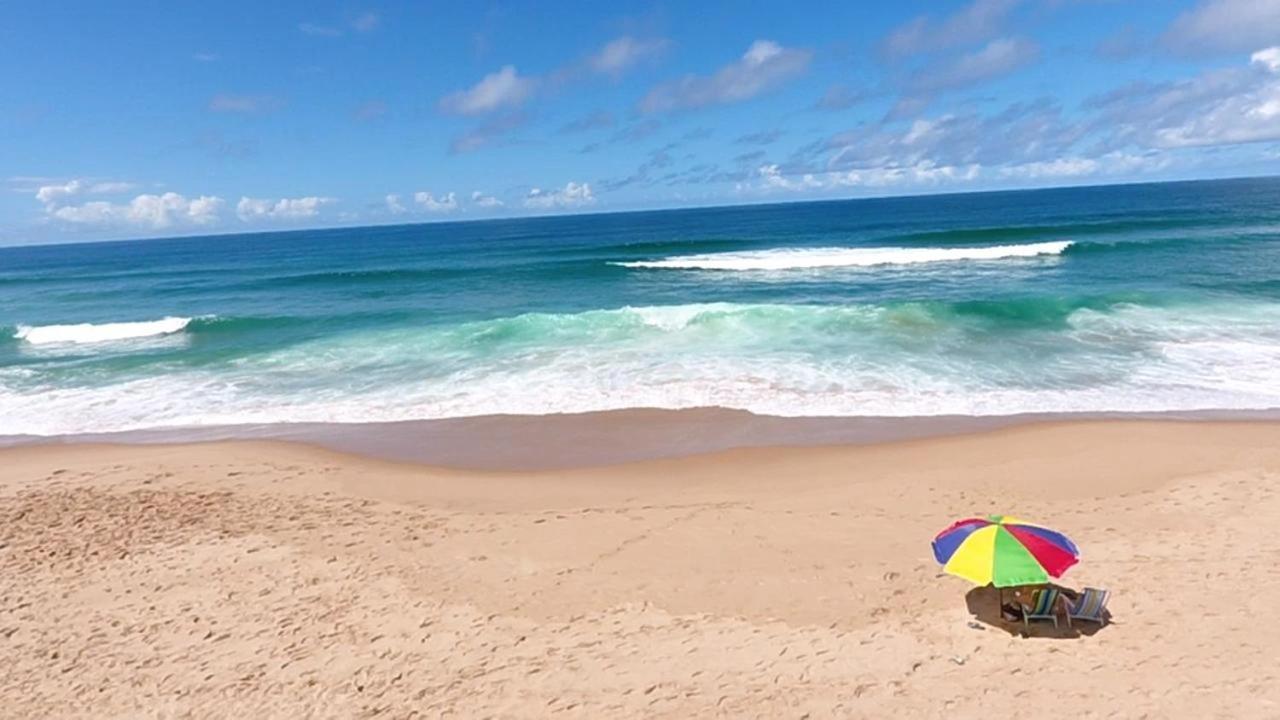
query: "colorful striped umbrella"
1003, 551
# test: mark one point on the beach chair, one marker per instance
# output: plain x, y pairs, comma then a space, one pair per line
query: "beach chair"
1091, 606
1044, 606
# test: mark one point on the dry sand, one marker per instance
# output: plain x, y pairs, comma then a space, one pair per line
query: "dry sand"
257, 579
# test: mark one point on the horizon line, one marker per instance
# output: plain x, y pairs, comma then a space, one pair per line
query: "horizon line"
632, 211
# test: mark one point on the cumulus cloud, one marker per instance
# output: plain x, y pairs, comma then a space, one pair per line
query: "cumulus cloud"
925, 172
771, 178
49, 194
394, 206
625, 52
1217, 26
430, 203
572, 195
56, 193
252, 209
975, 23
151, 212
1217, 107
147, 211
1268, 59
504, 88
1112, 163
764, 66
244, 103
480, 199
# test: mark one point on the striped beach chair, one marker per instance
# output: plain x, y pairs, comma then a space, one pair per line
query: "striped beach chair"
1044, 606
1091, 606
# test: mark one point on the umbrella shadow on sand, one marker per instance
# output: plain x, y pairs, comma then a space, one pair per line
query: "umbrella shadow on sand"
984, 606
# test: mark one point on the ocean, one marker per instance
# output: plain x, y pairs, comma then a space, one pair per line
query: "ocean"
1136, 298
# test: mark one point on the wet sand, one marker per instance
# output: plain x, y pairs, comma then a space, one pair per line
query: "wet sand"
272, 579
577, 440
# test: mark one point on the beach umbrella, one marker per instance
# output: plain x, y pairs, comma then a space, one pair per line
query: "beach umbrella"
1003, 551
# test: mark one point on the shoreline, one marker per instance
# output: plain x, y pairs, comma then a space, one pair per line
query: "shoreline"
277, 579
610, 437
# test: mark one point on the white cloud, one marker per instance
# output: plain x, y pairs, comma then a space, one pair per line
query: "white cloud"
1059, 167
1217, 107
394, 205
624, 53
770, 178
571, 195
206, 57
243, 103
49, 194
251, 209
1138, 130
1114, 163
56, 193
111, 188
975, 23
1021, 132
155, 212
430, 203
480, 199
996, 58
1225, 26
764, 66
496, 90
1269, 59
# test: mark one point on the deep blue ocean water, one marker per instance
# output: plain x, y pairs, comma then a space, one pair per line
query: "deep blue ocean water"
1128, 298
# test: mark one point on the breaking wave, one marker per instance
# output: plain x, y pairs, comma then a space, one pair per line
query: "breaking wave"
831, 257
84, 333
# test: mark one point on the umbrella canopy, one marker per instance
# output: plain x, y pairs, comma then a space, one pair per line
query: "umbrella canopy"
1003, 551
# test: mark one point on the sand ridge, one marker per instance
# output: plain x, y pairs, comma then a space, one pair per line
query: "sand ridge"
277, 580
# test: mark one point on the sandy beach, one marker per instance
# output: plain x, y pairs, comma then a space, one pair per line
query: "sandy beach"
272, 579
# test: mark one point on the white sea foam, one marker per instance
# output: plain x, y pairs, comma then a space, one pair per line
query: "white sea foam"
96, 333
772, 359
831, 257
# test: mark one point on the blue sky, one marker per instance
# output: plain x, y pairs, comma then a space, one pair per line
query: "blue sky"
133, 119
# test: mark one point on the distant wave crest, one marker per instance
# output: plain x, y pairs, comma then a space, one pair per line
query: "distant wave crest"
84, 333
813, 258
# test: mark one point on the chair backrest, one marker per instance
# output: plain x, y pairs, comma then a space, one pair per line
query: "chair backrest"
1091, 603
1043, 601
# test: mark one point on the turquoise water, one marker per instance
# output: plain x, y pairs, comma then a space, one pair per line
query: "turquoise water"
1133, 298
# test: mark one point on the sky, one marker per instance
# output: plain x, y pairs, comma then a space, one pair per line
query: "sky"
138, 119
